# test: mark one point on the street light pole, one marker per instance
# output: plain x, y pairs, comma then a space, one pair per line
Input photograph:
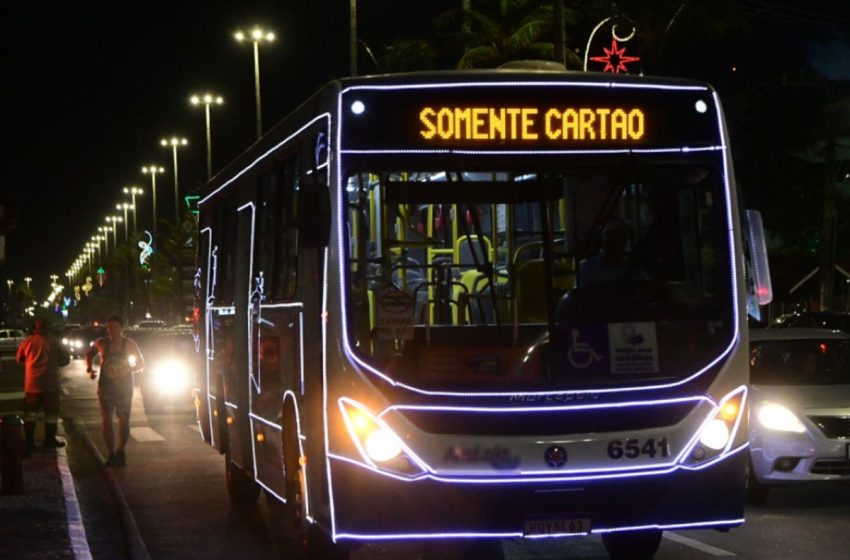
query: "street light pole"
10, 283
207, 99
175, 142
124, 206
256, 36
133, 191
114, 220
153, 170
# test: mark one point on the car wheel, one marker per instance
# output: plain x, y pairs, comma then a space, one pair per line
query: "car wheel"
632, 545
756, 491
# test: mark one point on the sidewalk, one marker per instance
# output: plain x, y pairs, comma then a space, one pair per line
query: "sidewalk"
44, 522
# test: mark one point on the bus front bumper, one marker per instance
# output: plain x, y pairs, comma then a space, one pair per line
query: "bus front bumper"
370, 506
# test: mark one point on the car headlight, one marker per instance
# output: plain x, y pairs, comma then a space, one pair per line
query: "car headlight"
776, 417
170, 376
78, 343
65, 341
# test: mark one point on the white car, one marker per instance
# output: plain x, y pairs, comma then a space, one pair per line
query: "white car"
10, 339
799, 408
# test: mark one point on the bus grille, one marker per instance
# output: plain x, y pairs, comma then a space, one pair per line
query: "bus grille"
832, 466
833, 427
546, 423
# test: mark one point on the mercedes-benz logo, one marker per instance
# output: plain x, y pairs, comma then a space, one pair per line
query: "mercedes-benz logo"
555, 456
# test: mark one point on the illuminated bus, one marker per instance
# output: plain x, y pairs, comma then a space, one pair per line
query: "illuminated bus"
481, 305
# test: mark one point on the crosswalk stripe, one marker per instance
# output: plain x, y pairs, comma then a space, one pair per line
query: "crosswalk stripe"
145, 434
703, 547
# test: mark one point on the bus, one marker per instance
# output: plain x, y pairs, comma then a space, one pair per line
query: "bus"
481, 305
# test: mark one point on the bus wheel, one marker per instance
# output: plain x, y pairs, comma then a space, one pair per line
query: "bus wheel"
311, 541
241, 488
637, 545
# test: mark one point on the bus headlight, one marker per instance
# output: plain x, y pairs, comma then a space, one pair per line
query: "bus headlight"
378, 445
719, 430
170, 376
776, 417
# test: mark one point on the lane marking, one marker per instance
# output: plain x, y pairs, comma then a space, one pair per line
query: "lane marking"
76, 528
195, 427
702, 547
145, 434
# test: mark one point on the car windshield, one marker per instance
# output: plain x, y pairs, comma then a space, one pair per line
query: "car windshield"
465, 279
800, 362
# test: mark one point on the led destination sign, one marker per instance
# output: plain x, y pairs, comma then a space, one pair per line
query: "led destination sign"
533, 117
531, 124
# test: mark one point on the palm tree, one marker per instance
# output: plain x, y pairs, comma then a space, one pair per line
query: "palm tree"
497, 31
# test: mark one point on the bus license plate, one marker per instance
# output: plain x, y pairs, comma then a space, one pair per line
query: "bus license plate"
557, 526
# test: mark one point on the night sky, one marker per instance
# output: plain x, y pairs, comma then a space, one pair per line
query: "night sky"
91, 87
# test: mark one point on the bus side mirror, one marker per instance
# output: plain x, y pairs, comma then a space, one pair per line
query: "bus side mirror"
314, 215
759, 288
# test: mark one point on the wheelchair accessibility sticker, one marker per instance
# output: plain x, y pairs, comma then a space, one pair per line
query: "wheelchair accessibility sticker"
621, 348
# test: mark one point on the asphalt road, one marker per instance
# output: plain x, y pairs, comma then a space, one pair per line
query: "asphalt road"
173, 485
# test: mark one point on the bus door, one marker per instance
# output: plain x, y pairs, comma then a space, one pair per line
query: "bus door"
236, 385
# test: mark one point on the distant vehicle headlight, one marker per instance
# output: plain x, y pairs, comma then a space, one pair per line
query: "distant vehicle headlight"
171, 376
777, 417
77, 343
65, 341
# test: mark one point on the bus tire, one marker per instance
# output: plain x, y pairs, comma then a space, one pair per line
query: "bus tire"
310, 540
241, 488
632, 545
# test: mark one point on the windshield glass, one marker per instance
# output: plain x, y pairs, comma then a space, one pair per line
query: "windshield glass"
800, 362
584, 277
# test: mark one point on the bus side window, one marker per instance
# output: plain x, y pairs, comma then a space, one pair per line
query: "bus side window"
287, 178
224, 237
266, 217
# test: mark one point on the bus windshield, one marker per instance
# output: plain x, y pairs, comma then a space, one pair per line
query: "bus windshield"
538, 280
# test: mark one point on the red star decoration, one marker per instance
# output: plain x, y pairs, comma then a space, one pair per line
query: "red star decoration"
615, 60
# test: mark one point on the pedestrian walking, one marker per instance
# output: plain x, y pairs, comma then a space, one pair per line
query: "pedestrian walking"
42, 355
120, 358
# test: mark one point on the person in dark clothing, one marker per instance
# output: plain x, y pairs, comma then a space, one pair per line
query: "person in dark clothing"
42, 355
120, 357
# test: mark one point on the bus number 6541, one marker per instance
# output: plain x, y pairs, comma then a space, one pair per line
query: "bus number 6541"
633, 448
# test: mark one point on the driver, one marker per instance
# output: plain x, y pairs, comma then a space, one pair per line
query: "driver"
612, 263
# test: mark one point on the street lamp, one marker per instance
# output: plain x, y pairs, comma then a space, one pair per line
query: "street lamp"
256, 36
133, 191
104, 236
53, 278
27, 279
206, 100
114, 220
10, 283
126, 206
175, 143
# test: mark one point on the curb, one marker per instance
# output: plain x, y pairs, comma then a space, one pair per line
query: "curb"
136, 548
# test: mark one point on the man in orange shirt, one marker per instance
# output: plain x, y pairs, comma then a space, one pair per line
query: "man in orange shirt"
42, 355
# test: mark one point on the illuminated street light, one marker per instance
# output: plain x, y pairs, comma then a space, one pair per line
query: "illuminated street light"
10, 283
126, 206
103, 237
114, 220
175, 143
256, 36
27, 279
206, 100
133, 191
53, 278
